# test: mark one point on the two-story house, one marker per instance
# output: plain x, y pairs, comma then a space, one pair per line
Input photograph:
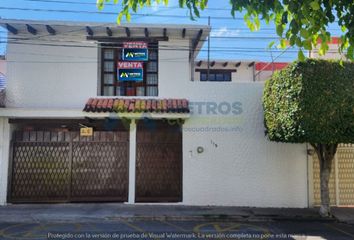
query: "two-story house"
100, 112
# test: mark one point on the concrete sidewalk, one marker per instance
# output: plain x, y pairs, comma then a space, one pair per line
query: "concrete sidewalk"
344, 214
113, 211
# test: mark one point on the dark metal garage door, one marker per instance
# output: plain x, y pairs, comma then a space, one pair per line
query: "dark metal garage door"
159, 162
50, 166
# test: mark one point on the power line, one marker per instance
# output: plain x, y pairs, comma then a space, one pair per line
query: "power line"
272, 62
218, 37
116, 13
111, 4
230, 52
58, 42
144, 15
89, 59
90, 62
111, 13
218, 29
96, 61
214, 33
72, 56
216, 49
244, 37
160, 47
71, 31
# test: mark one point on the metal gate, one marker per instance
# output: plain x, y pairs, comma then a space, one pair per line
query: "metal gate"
52, 166
159, 162
341, 183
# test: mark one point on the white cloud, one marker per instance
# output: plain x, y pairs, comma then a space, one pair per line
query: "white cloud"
154, 6
225, 32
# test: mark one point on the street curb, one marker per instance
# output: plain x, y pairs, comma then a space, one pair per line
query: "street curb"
350, 222
227, 218
213, 217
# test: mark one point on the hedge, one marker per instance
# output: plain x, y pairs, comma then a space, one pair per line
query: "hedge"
311, 101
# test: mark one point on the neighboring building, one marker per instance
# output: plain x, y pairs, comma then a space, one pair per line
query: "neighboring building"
332, 52
264, 70
341, 184
235, 70
83, 124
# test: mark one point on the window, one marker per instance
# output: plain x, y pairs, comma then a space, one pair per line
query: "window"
216, 75
111, 86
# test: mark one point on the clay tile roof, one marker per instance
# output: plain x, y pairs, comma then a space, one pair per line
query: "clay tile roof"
136, 105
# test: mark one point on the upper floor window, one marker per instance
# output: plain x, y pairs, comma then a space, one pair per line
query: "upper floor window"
111, 80
216, 75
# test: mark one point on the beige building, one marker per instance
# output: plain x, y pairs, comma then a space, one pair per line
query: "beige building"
235, 70
332, 52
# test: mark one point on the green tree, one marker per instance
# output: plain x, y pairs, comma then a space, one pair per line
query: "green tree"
312, 102
301, 23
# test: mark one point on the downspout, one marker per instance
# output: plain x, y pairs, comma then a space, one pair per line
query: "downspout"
208, 50
192, 59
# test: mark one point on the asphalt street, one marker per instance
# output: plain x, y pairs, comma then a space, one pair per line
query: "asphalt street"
160, 229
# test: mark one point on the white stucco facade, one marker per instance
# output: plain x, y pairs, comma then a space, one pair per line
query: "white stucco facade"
237, 166
51, 77
2, 66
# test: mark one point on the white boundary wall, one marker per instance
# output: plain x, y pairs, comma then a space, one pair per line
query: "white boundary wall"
5, 136
239, 166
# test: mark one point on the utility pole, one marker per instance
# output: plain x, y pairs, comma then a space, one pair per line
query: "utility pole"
208, 73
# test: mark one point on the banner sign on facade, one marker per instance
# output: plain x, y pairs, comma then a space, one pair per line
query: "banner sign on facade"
135, 54
130, 71
135, 51
136, 45
130, 65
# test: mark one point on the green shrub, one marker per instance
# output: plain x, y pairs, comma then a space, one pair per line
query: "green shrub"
311, 101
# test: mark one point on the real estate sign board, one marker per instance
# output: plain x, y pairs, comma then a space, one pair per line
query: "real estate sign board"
135, 51
135, 54
130, 71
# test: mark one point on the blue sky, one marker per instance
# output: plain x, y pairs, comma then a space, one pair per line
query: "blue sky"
230, 38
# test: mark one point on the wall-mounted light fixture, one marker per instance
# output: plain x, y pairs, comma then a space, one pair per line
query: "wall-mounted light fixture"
200, 149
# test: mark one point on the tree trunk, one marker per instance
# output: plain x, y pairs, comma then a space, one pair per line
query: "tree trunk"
325, 153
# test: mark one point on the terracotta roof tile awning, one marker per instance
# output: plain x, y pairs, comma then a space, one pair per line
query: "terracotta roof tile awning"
116, 105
